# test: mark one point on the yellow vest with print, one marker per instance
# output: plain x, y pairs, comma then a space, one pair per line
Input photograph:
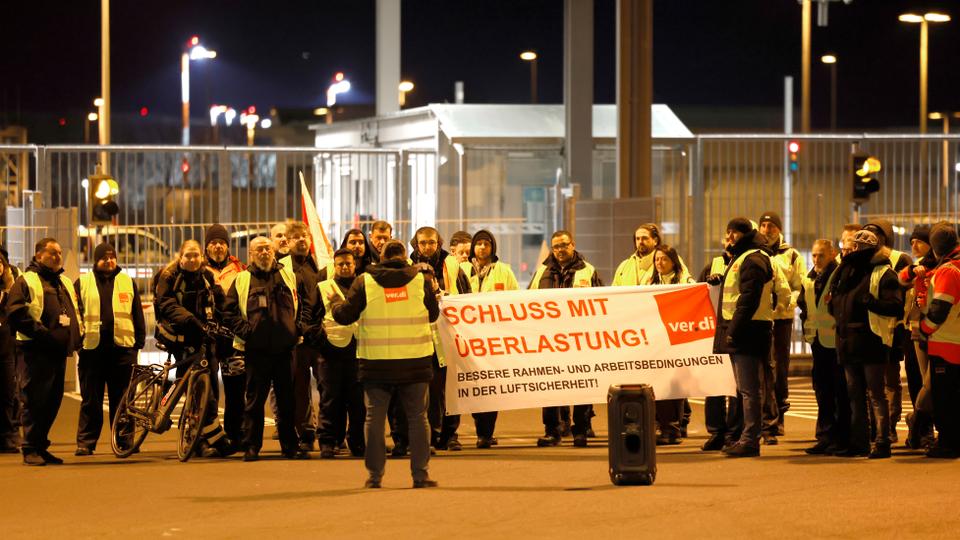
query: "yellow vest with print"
395, 324
499, 278
242, 284
123, 332
35, 307
880, 325
731, 291
819, 322
337, 334
581, 278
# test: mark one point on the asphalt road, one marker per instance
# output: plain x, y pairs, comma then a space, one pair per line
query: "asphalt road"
514, 490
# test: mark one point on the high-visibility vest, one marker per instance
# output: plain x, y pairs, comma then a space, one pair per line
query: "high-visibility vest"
731, 291
450, 269
631, 270
718, 265
581, 278
224, 278
395, 324
895, 258
785, 263
123, 332
337, 334
819, 322
242, 283
684, 277
499, 278
35, 307
879, 324
945, 340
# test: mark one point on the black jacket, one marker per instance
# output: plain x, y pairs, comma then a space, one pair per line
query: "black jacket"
185, 301
850, 301
48, 335
742, 334
388, 274
272, 325
558, 277
105, 290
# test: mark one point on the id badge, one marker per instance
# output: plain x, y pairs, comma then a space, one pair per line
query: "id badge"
64, 320
262, 302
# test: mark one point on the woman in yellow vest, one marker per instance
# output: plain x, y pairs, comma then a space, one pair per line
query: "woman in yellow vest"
866, 300
115, 332
487, 274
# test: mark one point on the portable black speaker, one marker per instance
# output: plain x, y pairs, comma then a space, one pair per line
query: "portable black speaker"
633, 438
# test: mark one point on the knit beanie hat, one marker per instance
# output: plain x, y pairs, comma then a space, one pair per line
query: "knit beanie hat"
772, 217
217, 232
921, 232
865, 239
943, 238
740, 224
102, 251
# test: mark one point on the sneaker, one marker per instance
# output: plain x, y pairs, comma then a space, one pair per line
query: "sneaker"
425, 483
879, 451
49, 458
548, 440
580, 441
251, 454
327, 451
769, 440
741, 450
820, 449
372, 483
715, 442
484, 442
83, 451
453, 445
33, 459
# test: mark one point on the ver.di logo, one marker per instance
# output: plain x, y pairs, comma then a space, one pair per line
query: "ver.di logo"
687, 314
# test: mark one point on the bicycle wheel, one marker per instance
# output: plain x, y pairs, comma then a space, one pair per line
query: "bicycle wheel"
193, 414
127, 432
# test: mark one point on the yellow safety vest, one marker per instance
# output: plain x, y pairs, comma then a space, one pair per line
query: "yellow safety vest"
450, 269
35, 307
631, 270
499, 278
581, 278
123, 332
337, 334
242, 284
718, 265
731, 291
395, 324
819, 321
880, 325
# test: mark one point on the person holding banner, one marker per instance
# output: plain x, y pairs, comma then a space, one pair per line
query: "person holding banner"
667, 270
394, 303
745, 324
565, 268
487, 274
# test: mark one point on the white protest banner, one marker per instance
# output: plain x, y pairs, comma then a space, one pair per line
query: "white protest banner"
520, 349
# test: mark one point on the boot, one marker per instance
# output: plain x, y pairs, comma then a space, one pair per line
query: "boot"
880, 451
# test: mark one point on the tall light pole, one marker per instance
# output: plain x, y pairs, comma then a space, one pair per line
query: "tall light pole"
530, 56
194, 51
806, 18
831, 61
924, 21
945, 152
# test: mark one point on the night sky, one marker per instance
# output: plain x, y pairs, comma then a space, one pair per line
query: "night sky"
713, 53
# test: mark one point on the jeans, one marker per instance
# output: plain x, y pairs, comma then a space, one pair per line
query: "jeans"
413, 397
306, 361
864, 380
341, 400
782, 333
746, 371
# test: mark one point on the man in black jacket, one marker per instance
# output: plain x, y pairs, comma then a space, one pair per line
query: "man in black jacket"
393, 357
745, 324
43, 311
263, 309
115, 332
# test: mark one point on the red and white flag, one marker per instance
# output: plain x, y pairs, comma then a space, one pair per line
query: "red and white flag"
321, 248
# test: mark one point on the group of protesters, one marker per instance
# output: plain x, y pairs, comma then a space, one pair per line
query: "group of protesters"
361, 331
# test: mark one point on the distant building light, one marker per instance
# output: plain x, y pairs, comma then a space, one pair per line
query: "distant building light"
266, 123
92, 117
320, 111
98, 102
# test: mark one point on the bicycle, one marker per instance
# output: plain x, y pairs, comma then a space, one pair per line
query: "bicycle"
146, 408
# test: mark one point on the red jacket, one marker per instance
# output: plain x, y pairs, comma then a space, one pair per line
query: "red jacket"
942, 322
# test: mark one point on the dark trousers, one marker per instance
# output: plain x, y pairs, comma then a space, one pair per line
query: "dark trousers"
397, 419
581, 420
715, 415
945, 378
669, 414
863, 381
9, 400
234, 387
830, 389
442, 427
746, 371
262, 371
341, 399
41, 392
413, 397
486, 423
912, 366
774, 381
306, 361
891, 376
105, 366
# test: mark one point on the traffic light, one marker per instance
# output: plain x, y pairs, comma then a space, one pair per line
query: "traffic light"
793, 148
863, 173
103, 198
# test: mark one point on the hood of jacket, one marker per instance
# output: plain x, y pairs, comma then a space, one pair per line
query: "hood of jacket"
751, 240
370, 256
393, 273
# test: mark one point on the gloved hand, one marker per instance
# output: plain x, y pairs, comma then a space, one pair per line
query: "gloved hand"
715, 279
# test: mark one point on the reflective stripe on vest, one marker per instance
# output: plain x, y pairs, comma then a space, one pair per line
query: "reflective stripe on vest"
718, 265
395, 324
35, 307
819, 322
731, 291
946, 339
499, 278
337, 334
582, 277
880, 325
242, 284
123, 332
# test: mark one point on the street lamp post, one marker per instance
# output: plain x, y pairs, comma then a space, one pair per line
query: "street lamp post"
404, 88
831, 60
530, 56
91, 118
194, 51
924, 21
945, 152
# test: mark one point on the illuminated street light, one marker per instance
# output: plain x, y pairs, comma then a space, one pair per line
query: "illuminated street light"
831, 61
923, 21
340, 86
98, 102
194, 51
404, 87
530, 56
91, 118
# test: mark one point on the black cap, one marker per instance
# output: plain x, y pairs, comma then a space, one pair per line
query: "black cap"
102, 250
216, 232
943, 238
921, 232
740, 224
772, 217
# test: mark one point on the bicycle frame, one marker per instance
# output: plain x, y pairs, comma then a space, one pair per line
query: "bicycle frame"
158, 420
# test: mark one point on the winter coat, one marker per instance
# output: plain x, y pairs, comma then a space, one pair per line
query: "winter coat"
742, 334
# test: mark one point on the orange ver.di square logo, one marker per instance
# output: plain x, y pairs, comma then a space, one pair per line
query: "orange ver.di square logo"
687, 314
398, 294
